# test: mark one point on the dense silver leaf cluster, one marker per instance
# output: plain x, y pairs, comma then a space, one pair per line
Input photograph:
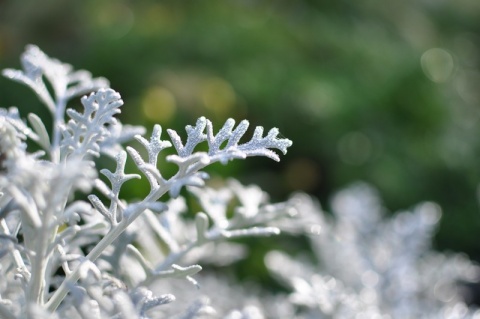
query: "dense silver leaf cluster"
367, 265
66, 82
62, 257
100, 256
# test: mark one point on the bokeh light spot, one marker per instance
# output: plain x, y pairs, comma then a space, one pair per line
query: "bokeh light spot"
320, 100
437, 64
430, 213
444, 292
158, 104
116, 18
218, 96
370, 278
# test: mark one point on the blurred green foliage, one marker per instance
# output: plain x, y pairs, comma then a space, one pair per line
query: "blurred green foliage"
382, 91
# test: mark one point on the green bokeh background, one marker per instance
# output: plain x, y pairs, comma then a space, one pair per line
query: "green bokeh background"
386, 92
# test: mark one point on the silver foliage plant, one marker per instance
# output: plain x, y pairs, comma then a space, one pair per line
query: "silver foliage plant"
98, 256
367, 265
62, 256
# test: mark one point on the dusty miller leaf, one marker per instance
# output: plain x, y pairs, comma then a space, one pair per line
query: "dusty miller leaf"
86, 130
65, 82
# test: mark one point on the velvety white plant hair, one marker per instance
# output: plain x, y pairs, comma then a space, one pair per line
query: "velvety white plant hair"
368, 265
63, 239
72, 247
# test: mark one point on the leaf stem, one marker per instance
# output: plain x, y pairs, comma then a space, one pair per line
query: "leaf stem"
118, 229
58, 121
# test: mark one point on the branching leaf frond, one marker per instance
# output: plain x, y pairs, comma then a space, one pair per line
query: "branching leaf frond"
190, 163
69, 245
118, 134
12, 116
195, 136
65, 82
153, 148
86, 130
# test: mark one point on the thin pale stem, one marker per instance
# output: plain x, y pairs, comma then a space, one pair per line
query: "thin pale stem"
17, 257
173, 258
39, 265
43, 254
46, 234
58, 121
62, 291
